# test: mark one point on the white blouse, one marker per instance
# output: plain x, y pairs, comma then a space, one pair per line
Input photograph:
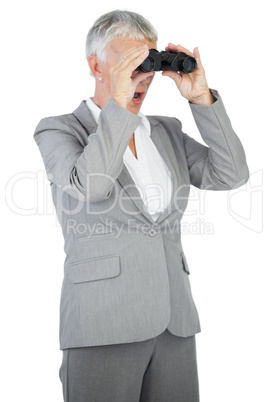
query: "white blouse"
148, 171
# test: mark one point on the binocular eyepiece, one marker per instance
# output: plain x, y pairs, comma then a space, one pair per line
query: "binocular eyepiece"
165, 60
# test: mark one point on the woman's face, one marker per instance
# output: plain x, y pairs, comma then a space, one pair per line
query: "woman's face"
114, 51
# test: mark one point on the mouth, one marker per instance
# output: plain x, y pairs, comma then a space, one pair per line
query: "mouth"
138, 98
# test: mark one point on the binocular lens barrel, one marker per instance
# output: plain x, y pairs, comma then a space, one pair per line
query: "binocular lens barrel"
165, 60
188, 65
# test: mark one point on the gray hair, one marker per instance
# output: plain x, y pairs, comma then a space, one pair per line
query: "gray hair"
117, 23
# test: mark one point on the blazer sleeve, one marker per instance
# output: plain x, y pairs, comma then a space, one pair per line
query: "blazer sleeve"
221, 165
86, 172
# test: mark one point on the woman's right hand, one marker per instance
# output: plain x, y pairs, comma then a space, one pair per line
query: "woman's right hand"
123, 79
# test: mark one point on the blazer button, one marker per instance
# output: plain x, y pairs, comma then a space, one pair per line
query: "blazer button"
152, 232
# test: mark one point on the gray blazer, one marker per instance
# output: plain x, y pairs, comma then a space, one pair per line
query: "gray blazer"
126, 278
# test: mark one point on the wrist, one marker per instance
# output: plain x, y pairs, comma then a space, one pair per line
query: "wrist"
121, 102
203, 100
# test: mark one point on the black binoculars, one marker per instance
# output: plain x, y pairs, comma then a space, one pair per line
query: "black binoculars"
165, 60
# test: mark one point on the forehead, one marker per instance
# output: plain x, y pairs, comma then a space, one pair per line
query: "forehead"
121, 44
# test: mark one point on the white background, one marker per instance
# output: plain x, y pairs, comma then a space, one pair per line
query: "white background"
43, 73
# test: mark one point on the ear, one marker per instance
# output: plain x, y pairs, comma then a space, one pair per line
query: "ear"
95, 66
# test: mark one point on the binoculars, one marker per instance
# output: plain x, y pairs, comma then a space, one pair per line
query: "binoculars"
165, 60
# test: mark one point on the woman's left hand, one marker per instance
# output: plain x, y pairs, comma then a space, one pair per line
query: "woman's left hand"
192, 86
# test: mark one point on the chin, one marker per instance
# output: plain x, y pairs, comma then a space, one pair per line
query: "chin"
133, 109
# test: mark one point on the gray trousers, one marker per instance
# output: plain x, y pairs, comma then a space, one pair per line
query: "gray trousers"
161, 369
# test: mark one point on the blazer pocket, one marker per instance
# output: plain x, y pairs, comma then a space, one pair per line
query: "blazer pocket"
94, 269
184, 263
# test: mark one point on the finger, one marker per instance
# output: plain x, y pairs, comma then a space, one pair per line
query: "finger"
198, 59
134, 49
171, 47
177, 77
133, 53
178, 48
197, 55
131, 59
184, 50
129, 54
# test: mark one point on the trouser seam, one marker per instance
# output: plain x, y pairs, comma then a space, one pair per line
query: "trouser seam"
152, 354
67, 377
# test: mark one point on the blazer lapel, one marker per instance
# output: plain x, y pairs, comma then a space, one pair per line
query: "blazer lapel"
164, 147
130, 188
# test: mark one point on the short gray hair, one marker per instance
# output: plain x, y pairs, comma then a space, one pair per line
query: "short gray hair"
117, 23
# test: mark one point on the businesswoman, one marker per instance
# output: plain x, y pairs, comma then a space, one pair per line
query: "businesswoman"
120, 182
